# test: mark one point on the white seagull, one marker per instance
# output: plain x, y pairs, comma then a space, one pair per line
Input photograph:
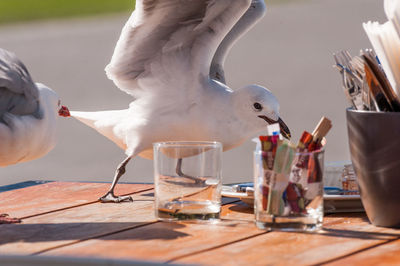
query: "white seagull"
170, 58
28, 115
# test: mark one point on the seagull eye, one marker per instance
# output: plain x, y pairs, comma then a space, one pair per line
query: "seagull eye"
258, 107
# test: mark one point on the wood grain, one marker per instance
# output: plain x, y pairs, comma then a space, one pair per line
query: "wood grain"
238, 211
35, 200
67, 226
341, 236
65, 219
161, 241
75, 224
385, 254
165, 241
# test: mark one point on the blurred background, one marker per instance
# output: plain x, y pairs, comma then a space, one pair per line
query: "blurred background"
67, 43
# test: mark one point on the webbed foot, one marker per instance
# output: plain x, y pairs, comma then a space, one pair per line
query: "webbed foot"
197, 180
111, 198
5, 219
197, 183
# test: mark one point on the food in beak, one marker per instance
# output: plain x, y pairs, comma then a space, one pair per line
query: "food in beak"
282, 125
63, 111
284, 129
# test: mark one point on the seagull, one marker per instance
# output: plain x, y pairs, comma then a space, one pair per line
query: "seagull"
28, 115
170, 59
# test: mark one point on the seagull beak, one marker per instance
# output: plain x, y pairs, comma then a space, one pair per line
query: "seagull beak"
284, 129
63, 111
282, 125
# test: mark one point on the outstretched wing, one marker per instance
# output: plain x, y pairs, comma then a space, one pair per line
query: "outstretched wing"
18, 93
166, 40
253, 14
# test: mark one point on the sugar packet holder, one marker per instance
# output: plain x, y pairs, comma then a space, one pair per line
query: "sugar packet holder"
291, 175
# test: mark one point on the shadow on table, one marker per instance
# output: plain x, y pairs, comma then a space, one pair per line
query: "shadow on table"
360, 214
151, 194
358, 234
32, 233
241, 207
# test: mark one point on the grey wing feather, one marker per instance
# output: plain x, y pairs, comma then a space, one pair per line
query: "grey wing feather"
253, 14
145, 34
171, 33
18, 93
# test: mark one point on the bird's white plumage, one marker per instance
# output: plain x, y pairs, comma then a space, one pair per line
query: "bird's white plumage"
27, 137
170, 58
171, 42
253, 14
28, 113
163, 59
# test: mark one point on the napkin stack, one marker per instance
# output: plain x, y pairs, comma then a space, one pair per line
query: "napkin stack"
385, 39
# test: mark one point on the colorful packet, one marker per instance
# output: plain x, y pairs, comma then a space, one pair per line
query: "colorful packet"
283, 179
315, 172
319, 133
307, 171
295, 193
295, 197
268, 147
304, 141
280, 178
299, 169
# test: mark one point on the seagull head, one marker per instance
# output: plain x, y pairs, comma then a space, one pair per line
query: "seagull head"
51, 101
257, 106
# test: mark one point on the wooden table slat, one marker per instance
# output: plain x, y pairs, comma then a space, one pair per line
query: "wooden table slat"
47, 231
73, 225
384, 254
35, 200
178, 242
65, 219
340, 236
162, 241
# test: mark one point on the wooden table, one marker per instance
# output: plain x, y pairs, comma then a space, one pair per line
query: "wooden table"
65, 219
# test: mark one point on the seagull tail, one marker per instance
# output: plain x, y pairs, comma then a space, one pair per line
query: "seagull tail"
88, 118
103, 122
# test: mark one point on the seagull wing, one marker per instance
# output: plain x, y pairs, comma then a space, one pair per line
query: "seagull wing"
253, 14
171, 42
18, 93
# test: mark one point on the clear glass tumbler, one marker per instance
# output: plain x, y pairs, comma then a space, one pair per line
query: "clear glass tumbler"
292, 202
187, 180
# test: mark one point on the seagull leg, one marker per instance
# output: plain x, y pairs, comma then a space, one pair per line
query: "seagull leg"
181, 174
4, 219
110, 196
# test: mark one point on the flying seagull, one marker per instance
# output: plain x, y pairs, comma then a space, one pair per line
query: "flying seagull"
28, 115
170, 59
